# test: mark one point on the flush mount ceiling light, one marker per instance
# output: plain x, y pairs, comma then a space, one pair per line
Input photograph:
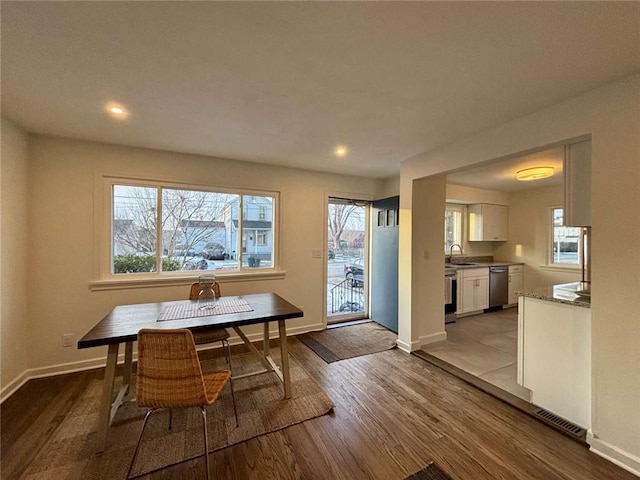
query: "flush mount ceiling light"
534, 173
116, 110
340, 151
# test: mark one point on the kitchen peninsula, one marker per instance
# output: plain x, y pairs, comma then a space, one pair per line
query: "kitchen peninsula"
554, 350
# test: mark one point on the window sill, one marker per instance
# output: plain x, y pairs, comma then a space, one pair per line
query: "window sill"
562, 268
169, 281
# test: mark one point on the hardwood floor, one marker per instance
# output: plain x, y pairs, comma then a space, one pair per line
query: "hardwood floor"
394, 413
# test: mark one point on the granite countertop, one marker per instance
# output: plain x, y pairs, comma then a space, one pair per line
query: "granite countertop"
562, 293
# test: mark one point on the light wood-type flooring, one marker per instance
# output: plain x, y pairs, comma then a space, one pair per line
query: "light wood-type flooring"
394, 414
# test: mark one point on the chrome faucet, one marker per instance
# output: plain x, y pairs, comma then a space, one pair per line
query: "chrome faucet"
451, 251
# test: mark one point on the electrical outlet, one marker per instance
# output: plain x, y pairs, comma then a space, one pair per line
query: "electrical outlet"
67, 340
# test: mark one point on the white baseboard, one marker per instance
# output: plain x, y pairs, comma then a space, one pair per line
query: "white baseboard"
405, 347
623, 459
100, 362
433, 338
423, 340
13, 386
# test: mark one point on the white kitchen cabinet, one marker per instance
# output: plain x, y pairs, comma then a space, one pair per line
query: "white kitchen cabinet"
516, 280
488, 222
554, 357
473, 290
577, 184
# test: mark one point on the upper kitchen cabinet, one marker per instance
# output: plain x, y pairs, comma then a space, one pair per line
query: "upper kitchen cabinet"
488, 223
577, 184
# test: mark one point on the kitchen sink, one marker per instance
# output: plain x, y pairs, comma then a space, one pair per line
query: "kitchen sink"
463, 264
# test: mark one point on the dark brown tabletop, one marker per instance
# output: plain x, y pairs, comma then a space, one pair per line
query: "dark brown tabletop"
124, 322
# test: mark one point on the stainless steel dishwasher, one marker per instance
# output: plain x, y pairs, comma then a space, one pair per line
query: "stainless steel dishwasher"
498, 286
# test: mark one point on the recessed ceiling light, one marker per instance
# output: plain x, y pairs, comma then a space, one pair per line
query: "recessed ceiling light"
535, 173
341, 151
116, 110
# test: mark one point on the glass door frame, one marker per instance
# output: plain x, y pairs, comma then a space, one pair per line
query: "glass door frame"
335, 277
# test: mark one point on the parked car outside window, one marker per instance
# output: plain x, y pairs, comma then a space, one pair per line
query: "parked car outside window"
355, 272
213, 251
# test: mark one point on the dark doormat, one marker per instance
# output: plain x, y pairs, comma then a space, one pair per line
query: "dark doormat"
349, 342
430, 472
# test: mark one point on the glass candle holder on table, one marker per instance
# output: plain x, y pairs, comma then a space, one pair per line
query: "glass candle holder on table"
207, 295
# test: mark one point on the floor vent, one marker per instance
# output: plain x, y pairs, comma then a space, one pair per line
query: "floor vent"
560, 422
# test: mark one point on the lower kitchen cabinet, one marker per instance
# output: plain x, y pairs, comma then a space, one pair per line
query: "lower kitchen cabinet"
473, 290
516, 280
554, 357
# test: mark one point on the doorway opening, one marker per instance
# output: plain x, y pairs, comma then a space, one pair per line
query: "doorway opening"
347, 260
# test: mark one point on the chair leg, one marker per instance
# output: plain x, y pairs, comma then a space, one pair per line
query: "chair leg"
233, 399
135, 453
226, 343
206, 441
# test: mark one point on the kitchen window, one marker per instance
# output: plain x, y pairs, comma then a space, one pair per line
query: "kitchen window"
158, 229
453, 216
566, 242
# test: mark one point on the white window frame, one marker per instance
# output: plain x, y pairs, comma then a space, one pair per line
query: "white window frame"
550, 256
105, 279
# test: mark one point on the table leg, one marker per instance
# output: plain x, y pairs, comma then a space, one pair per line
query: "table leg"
107, 389
128, 361
284, 361
265, 339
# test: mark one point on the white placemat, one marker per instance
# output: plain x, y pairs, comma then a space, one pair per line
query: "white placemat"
191, 310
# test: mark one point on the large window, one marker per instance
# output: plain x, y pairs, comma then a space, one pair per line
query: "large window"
453, 215
566, 242
158, 229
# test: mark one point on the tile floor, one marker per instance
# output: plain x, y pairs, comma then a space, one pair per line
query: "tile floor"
485, 346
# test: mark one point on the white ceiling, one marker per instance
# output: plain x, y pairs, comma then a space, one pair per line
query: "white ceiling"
500, 175
285, 82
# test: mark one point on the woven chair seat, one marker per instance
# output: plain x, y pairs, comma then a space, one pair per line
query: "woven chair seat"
209, 336
214, 382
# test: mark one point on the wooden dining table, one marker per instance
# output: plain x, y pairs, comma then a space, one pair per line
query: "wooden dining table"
122, 324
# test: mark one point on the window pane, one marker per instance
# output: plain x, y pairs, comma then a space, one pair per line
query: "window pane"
134, 229
566, 241
196, 230
452, 226
257, 231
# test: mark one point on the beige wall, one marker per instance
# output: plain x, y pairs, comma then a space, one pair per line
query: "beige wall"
611, 115
13, 257
61, 241
529, 236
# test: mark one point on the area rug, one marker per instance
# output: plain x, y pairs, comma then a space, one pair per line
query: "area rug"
348, 342
430, 472
261, 409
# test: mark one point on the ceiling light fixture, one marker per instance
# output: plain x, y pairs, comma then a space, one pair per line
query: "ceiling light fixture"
117, 111
340, 151
535, 173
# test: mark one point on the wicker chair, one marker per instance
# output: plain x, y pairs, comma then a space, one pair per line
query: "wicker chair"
211, 335
169, 376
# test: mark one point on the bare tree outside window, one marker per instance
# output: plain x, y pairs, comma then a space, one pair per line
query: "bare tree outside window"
134, 219
158, 229
193, 222
339, 215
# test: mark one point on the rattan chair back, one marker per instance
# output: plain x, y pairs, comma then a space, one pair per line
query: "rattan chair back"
169, 373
